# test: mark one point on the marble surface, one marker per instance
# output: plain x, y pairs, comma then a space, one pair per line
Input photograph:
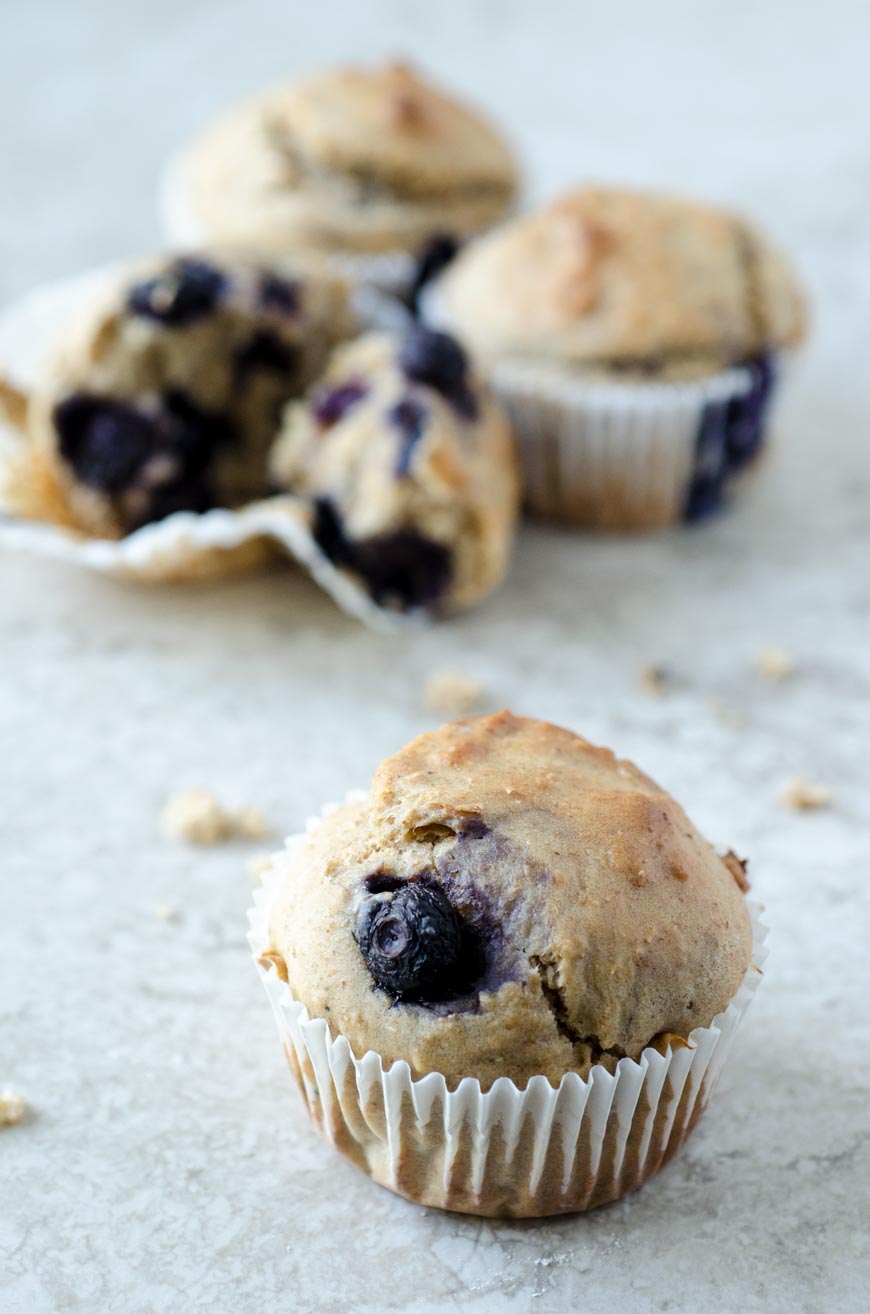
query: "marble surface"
166, 1165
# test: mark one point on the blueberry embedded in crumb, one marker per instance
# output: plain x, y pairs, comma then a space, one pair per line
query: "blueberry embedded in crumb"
265, 351
403, 569
105, 441
328, 532
437, 359
182, 294
329, 405
435, 256
278, 294
409, 417
411, 941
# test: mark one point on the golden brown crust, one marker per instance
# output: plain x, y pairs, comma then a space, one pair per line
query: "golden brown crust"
610, 920
622, 279
353, 159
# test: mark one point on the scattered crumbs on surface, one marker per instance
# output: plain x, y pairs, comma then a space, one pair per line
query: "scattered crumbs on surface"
250, 823
726, 715
12, 1107
450, 693
656, 681
166, 912
804, 795
197, 817
737, 867
775, 664
258, 865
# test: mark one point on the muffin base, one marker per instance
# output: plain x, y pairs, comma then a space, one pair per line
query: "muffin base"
504, 1152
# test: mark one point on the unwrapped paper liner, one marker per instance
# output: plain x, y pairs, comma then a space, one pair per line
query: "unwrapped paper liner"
503, 1152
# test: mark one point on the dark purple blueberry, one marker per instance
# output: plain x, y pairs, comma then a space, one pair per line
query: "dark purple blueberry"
409, 417
329, 405
187, 291
707, 486
265, 351
278, 294
747, 414
193, 493
437, 359
411, 941
435, 256
403, 569
191, 433
328, 531
106, 442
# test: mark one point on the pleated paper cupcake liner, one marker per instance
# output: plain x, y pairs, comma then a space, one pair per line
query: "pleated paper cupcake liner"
504, 1152
629, 455
388, 271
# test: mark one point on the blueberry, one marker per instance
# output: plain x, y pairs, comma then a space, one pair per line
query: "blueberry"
189, 493
106, 442
191, 433
435, 256
330, 405
265, 351
411, 941
278, 294
403, 569
185, 292
409, 417
707, 486
436, 359
747, 414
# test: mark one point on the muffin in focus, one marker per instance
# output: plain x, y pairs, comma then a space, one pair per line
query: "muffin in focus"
497, 973
352, 162
636, 340
410, 469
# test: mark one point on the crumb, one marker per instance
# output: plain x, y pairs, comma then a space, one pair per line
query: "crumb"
737, 867
12, 1107
655, 680
166, 912
450, 693
258, 865
804, 795
197, 817
775, 664
250, 823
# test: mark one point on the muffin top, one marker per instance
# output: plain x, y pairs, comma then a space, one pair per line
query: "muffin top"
353, 158
619, 280
163, 395
510, 900
411, 467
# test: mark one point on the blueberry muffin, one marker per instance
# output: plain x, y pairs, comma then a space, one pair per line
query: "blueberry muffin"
349, 162
513, 905
166, 394
409, 467
637, 339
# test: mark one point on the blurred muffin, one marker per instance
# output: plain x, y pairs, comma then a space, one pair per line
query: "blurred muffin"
351, 162
410, 468
636, 340
165, 394
513, 906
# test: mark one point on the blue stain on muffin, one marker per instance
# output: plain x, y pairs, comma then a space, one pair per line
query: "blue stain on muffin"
409, 417
730, 436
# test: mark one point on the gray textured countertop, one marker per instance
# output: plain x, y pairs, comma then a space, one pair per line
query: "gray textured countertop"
166, 1165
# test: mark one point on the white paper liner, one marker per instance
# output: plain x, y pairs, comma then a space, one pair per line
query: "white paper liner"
184, 546
537, 1151
602, 454
390, 271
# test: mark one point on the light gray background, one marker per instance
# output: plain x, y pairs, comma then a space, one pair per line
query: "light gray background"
166, 1164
